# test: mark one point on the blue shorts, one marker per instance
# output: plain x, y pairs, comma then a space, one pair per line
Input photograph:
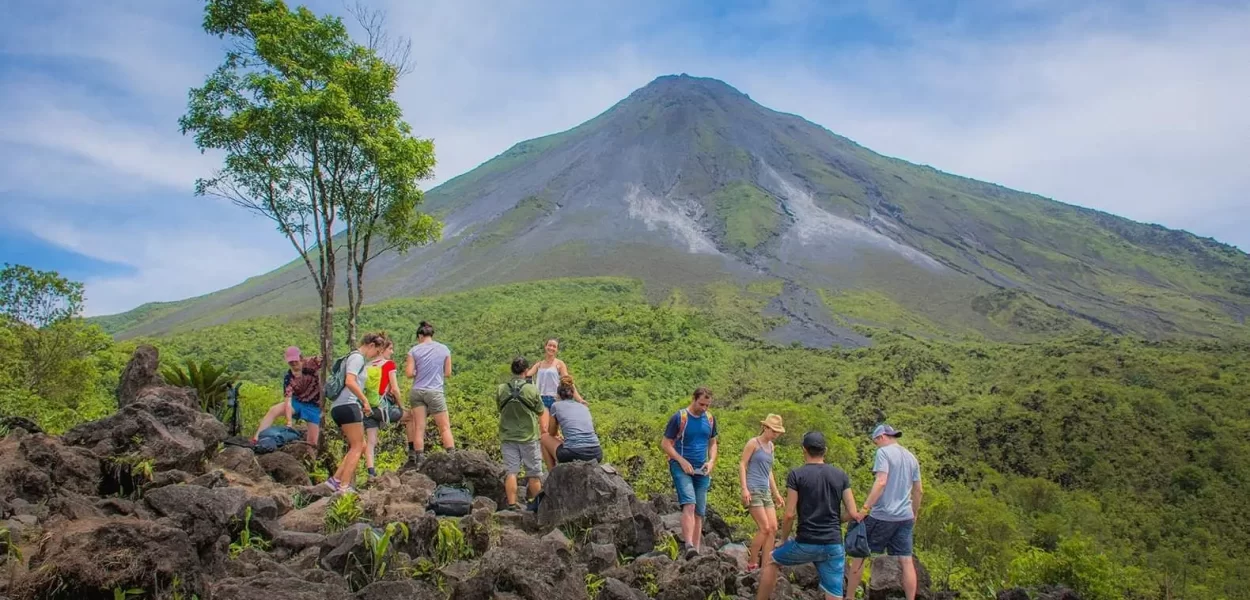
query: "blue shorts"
892, 537
830, 561
304, 411
548, 401
691, 489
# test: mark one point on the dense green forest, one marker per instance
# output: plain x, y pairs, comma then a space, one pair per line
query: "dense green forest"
1111, 464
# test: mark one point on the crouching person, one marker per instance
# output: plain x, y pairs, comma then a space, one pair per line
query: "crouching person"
572, 418
519, 408
816, 493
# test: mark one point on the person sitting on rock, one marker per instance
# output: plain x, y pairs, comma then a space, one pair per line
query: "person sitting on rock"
816, 493
519, 408
759, 488
690, 443
301, 390
350, 408
572, 417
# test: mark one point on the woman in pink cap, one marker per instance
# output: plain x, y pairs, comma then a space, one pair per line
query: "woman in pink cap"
301, 390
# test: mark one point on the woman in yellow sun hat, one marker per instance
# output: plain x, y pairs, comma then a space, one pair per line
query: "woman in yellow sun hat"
759, 489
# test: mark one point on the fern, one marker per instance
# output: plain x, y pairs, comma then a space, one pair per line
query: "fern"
343, 511
211, 383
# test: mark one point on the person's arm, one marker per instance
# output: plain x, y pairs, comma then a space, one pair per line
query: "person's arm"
354, 385
878, 488
553, 426
772, 485
917, 492
792, 508
562, 368
742, 470
713, 446
666, 443
848, 502
410, 367
394, 384
533, 401
532, 370
447, 366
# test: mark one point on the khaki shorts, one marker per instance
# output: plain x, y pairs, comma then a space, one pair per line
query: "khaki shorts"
527, 454
433, 400
762, 498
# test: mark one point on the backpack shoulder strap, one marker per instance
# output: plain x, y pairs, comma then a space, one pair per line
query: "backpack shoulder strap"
683, 415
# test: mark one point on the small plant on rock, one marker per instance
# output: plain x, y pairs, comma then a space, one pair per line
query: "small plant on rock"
300, 500
449, 543
247, 539
668, 545
126, 594
380, 551
594, 583
11, 551
425, 568
343, 511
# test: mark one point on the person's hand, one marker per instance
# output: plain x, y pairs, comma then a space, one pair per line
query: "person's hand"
746, 498
915, 517
779, 501
863, 512
368, 409
685, 465
708, 466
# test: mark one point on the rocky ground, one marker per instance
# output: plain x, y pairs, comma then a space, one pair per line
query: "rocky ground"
149, 503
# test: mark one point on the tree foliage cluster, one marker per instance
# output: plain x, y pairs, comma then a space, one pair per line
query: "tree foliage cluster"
1110, 464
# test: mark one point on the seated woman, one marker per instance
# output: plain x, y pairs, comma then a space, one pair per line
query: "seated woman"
301, 390
573, 418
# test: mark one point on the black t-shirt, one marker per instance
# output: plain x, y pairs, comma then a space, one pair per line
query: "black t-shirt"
820, 489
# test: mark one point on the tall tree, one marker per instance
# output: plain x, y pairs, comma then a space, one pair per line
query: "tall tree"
38, 298
312, 137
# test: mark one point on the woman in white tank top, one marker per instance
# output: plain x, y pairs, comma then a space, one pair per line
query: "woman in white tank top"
547, 373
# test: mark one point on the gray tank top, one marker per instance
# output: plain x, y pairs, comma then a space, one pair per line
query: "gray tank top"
760, 467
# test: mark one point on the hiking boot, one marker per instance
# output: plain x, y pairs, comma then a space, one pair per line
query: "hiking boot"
690, 552
414, 461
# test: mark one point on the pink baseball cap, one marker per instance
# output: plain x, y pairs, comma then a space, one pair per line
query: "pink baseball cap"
292, 354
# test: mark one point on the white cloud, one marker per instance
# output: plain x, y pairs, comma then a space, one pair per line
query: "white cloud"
1131, 110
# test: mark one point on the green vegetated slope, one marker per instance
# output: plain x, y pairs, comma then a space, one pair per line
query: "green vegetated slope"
1115, 465
688, 181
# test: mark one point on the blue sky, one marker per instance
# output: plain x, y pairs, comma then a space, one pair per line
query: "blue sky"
1136, 108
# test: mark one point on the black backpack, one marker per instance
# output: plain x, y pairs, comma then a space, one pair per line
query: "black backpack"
451, 501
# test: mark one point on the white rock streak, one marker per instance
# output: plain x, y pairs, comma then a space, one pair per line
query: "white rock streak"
655, 213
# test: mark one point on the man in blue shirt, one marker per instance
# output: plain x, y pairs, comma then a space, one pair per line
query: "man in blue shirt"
892, 507
690, 443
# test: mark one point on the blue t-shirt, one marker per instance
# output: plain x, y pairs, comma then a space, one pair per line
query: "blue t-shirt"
902, 470
693, 445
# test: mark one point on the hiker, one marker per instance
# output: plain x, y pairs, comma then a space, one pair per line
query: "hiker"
547, 374
301, 391
350, 407
892, 506
572, 418
428, 365
519, 408
816, 493
690, 443
759, 489
380, 384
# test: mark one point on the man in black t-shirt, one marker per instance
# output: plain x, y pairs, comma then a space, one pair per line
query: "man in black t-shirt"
816, 494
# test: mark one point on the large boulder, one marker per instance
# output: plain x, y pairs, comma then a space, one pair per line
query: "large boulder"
529, 568
345, 549
84, 557
310, 519
640, 533
155, 430
886, 582
699, 578
470, 467
585, 493
141, 378
239, 460
206, 515
284, 468
36, 467
271, 587
393, 497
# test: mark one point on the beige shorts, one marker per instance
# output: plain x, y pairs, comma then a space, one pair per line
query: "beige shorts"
433, 400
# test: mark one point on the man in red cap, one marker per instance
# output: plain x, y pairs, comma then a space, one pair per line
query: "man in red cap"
301, 390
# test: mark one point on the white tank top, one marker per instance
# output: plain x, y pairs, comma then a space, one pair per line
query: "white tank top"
548, 380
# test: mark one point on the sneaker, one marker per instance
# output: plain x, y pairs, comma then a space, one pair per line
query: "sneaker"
334, 484
349, 489
690, 553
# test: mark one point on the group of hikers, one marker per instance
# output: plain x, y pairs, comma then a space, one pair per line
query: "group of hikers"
544, 421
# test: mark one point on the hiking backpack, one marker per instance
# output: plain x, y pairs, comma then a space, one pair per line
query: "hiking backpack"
337, 380
451, 501
684, 414
514, 394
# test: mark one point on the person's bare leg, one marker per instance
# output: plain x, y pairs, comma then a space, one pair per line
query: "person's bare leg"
534, 487
768, 580
266, 422
909, 576
852, 578
698, 532
314, 434
418, 428
544, 420
687, 524
355, 435
766, 555
509, 488
443, 422
550, 445
371, 444
756, 550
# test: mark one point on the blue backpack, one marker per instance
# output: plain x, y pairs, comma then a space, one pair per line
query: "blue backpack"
275, 437
857, 540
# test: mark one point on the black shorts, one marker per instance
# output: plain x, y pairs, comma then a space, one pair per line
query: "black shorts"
566, 455
892, 537
346, 414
